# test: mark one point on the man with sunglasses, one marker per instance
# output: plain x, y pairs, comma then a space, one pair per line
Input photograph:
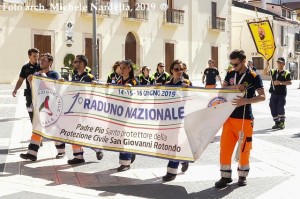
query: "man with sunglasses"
80, 62
241, 119
210, 74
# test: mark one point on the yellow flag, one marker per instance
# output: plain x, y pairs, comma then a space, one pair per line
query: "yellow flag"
263, 38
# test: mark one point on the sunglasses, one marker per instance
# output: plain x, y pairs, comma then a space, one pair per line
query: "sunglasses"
236, 65
161, 66
177, 69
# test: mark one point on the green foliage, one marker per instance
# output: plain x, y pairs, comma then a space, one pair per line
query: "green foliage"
68, 60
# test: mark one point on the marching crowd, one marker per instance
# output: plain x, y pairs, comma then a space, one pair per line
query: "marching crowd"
238, 125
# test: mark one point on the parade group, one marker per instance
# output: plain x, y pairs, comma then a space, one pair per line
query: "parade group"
241, 76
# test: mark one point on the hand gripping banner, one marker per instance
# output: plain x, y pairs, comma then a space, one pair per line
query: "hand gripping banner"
166, 122
263, 38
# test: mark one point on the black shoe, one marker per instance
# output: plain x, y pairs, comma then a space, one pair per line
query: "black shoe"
132, 158
223, 182
276, 126
60, 155
281, 125
76, 161
242, 181
123, 168
99, 155
168, 177
185, 166
27, 156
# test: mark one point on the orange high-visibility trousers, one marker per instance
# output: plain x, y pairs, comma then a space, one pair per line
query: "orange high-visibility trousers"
36, 138
77, 151
210, 86
229, 138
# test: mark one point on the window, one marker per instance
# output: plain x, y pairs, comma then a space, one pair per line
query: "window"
283, 13
297, 42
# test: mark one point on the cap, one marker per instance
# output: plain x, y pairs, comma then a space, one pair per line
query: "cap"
281, 60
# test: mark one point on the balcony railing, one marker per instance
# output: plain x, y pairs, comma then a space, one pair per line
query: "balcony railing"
45, 5
135, 12
174, 16
217, 23
102, 7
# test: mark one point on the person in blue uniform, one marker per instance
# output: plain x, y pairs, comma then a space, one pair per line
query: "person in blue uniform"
210, 74
80, 62
114, 76
241, 120
161, 76
127, 79
144, 78
176, 70
280, 79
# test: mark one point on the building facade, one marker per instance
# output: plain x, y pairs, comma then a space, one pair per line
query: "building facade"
147, 33
285, 30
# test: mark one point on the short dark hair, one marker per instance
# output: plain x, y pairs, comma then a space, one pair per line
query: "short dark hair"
238, 53
82, 58
129, 63
177, 61
33, 50
49, 56
115, 66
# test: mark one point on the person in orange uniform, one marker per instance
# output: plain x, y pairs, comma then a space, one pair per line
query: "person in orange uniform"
247, 81
80, 62
176, 70
127, 79
46, 62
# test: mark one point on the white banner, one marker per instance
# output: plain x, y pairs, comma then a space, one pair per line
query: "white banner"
168, 122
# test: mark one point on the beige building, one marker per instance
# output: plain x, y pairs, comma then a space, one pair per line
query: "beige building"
285, 30
193, 31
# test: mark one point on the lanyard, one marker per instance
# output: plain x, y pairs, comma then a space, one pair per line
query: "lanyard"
159, 76
235, 76
147, 80
117, 79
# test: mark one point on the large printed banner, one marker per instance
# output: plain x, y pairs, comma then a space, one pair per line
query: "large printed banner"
167, 122
263, 38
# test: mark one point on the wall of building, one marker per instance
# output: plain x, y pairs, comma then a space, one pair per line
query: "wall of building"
192, 40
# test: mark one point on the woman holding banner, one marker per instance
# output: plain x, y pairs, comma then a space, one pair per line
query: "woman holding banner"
127, 79
160, 76
176, 70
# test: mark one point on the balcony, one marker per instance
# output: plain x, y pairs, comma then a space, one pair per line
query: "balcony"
217, 24
174, 17
102, 8
138, 12
11, 6
45, 6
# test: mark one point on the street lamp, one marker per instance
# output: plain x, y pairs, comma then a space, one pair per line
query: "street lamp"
294, 15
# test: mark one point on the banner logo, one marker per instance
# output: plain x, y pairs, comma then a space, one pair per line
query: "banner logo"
50, 107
